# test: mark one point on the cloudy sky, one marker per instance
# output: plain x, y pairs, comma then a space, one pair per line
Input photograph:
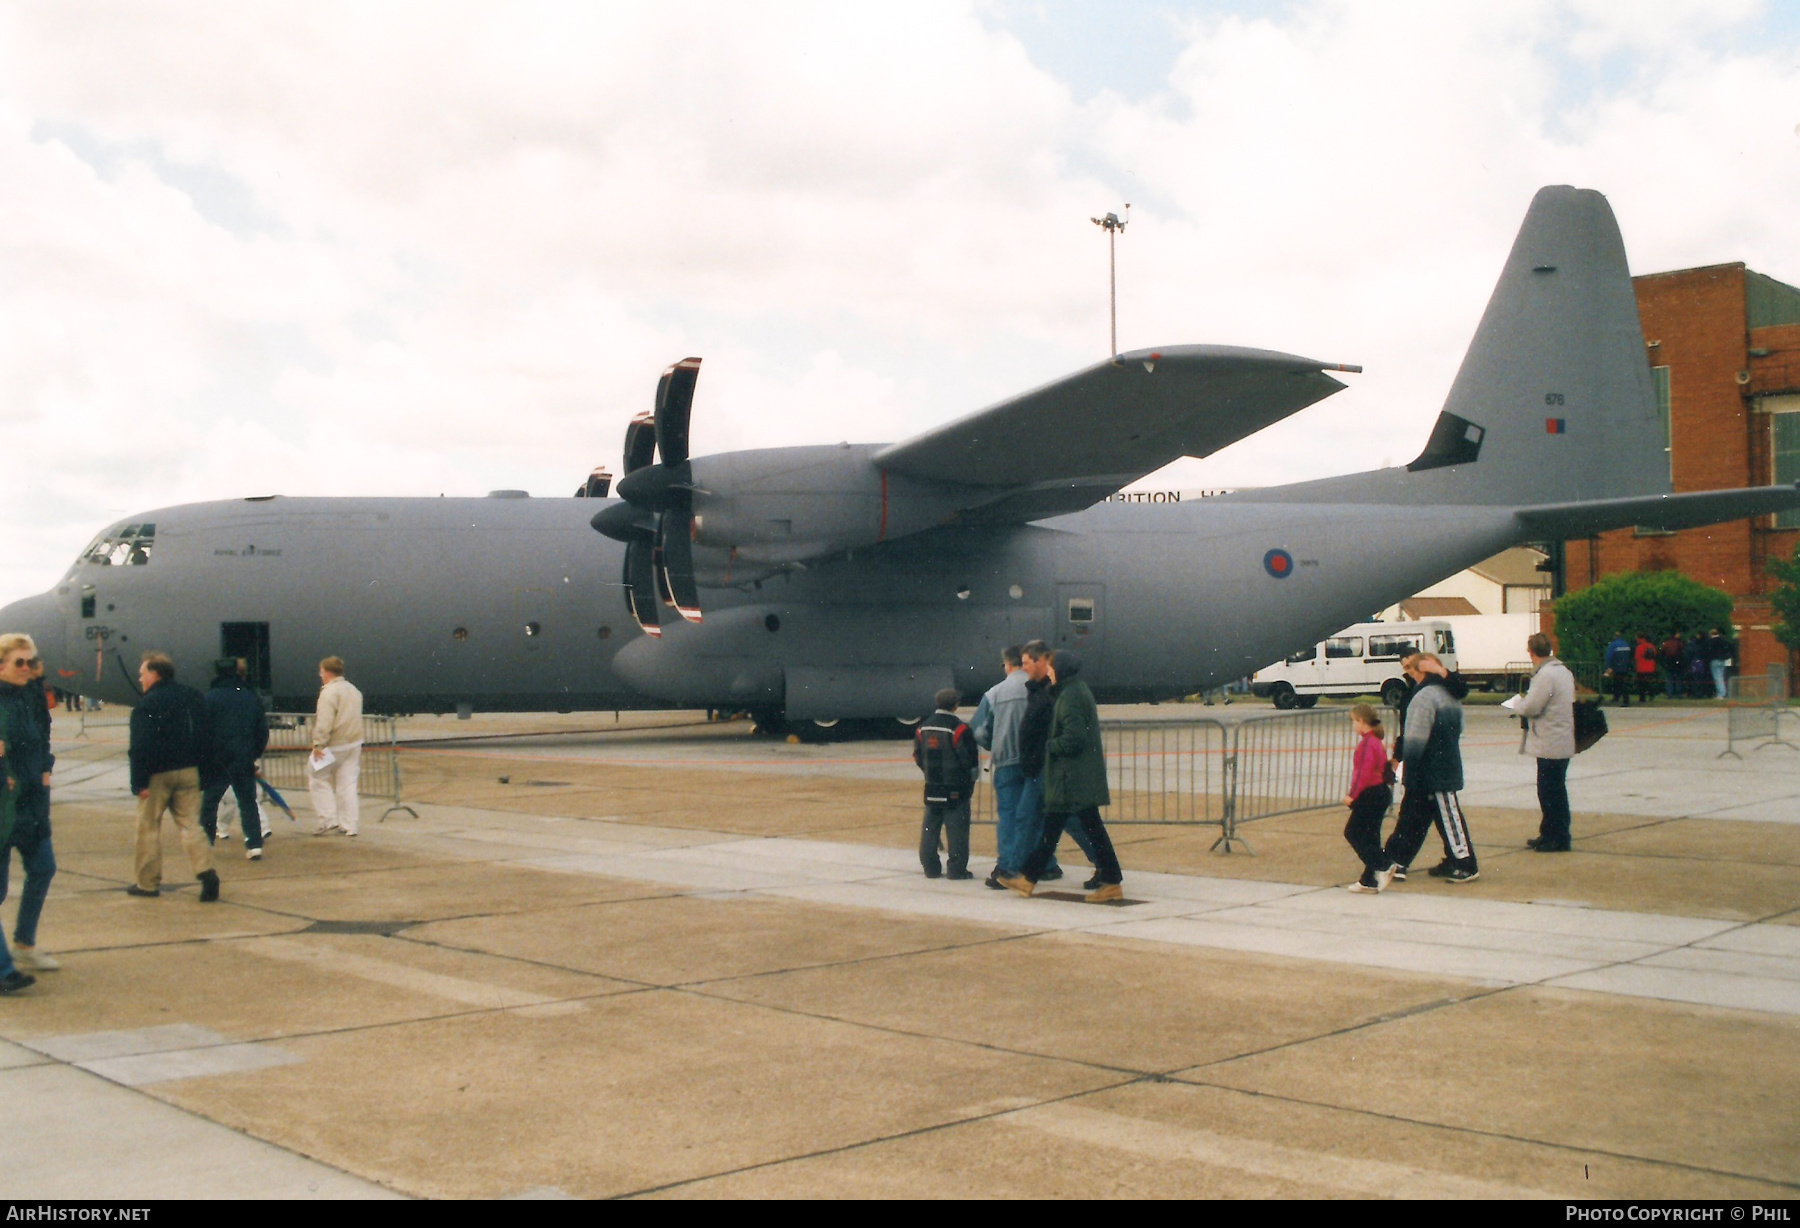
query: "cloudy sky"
412, 249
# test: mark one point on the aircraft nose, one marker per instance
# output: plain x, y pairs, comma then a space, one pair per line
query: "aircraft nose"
39, 618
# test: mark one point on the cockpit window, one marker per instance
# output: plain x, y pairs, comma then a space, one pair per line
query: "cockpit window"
129, 546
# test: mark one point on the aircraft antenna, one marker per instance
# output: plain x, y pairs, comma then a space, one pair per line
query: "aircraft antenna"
1113, 225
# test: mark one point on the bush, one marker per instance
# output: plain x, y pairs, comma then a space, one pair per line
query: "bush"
1653, 603
1785, 597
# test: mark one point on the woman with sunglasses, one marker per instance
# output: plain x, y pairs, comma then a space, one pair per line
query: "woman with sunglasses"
25, 715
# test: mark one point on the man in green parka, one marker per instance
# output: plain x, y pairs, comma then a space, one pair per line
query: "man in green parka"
1074, 783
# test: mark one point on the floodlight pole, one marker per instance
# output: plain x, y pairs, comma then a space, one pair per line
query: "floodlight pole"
1112, 224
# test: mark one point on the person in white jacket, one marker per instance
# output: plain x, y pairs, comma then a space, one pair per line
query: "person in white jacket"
1549, 712
336, 760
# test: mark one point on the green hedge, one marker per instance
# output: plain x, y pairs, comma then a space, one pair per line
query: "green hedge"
1654, 603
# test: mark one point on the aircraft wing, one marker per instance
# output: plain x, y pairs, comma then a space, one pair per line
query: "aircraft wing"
1687, 511
1073, 442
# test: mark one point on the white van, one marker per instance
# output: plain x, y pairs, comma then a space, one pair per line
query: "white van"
1360, 660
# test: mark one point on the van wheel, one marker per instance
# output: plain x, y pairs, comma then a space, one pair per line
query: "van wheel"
1284, 697
1393, 692
1306, 701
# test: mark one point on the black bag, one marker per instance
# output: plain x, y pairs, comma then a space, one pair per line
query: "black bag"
1590, 724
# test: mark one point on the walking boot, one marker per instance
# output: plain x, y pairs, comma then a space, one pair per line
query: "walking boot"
1108, 892
1018, 882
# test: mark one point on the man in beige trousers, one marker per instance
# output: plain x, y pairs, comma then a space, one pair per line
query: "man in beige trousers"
336, 758
169, 737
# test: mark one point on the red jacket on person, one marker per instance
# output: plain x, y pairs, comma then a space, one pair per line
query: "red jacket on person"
1645, 656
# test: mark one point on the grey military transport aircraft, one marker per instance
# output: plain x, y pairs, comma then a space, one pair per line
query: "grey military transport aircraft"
851, 581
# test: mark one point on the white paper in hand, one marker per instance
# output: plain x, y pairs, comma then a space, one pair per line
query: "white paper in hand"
322, 759
1514, 704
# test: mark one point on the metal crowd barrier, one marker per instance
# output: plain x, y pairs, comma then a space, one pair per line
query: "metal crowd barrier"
1204, 772
290, 742
1755, 704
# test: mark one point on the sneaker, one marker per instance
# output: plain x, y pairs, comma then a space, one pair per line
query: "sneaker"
1361, 888
1399, 873
1050, 874
350, 834
15, 980
254, 854
1463, 876
1443, 869
209, 886
34, 959
325, 829
224, 833
1107, 893
1385, 878
134, 889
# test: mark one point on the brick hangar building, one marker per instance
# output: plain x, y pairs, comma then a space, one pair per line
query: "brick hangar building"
1724, 347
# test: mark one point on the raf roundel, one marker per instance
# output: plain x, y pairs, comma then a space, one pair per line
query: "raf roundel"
1279, 563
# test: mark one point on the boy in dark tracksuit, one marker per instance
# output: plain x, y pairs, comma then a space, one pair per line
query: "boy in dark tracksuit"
1431, 751
945, 750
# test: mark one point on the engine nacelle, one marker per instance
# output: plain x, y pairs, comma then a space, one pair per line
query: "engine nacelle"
788, 505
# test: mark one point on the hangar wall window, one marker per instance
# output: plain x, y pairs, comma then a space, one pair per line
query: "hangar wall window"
1659, 379
128, 547
1784, 449
1081, 609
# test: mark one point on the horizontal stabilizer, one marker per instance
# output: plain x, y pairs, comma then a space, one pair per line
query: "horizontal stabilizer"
1689, 511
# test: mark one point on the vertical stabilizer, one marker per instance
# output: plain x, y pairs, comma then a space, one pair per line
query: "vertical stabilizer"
1553, 402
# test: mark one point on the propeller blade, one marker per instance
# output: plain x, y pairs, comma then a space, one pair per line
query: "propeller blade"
640, 584
674, 404
640, 440
675, 531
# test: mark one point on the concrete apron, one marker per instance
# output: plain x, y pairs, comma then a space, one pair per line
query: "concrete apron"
501, 1000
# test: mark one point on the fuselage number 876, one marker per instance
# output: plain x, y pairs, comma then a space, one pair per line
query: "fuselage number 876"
1553, 398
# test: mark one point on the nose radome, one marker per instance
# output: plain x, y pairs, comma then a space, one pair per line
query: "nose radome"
39, 618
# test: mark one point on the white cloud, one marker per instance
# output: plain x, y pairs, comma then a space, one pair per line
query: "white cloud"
451, 247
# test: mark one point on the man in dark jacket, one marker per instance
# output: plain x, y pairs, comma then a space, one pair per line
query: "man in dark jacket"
1721, 657
240, 734
1034, 743
1668, 655
1074, 783
1431, 758
945, 750
1621, 670
169, 740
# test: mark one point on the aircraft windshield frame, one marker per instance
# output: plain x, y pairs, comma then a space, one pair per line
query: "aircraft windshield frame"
126, 546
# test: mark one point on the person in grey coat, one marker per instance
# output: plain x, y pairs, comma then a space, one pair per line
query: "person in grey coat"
1548, 710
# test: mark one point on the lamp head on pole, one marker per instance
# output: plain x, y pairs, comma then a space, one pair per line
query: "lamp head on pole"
1112, 222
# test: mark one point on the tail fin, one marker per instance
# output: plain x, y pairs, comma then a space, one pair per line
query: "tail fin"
1553, 402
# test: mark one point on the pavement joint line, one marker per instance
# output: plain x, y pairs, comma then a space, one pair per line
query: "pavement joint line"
199, 1117
860, 1144
1478, 1132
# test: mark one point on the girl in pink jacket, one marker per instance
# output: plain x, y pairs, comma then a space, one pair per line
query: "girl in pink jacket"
1371, 793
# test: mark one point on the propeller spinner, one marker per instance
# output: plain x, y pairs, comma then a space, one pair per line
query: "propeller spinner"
656, 521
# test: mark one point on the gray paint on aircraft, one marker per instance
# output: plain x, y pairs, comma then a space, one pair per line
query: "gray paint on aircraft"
858, 620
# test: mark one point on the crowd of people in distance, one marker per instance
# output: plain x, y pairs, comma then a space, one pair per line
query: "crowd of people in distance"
1694, 668
1427, 761
1041, 728
186, 751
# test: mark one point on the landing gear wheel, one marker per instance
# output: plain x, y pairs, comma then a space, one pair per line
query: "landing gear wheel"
1284, 697
1393, 692
1306, 701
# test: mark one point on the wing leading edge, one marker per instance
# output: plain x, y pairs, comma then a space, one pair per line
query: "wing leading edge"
1070, 443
